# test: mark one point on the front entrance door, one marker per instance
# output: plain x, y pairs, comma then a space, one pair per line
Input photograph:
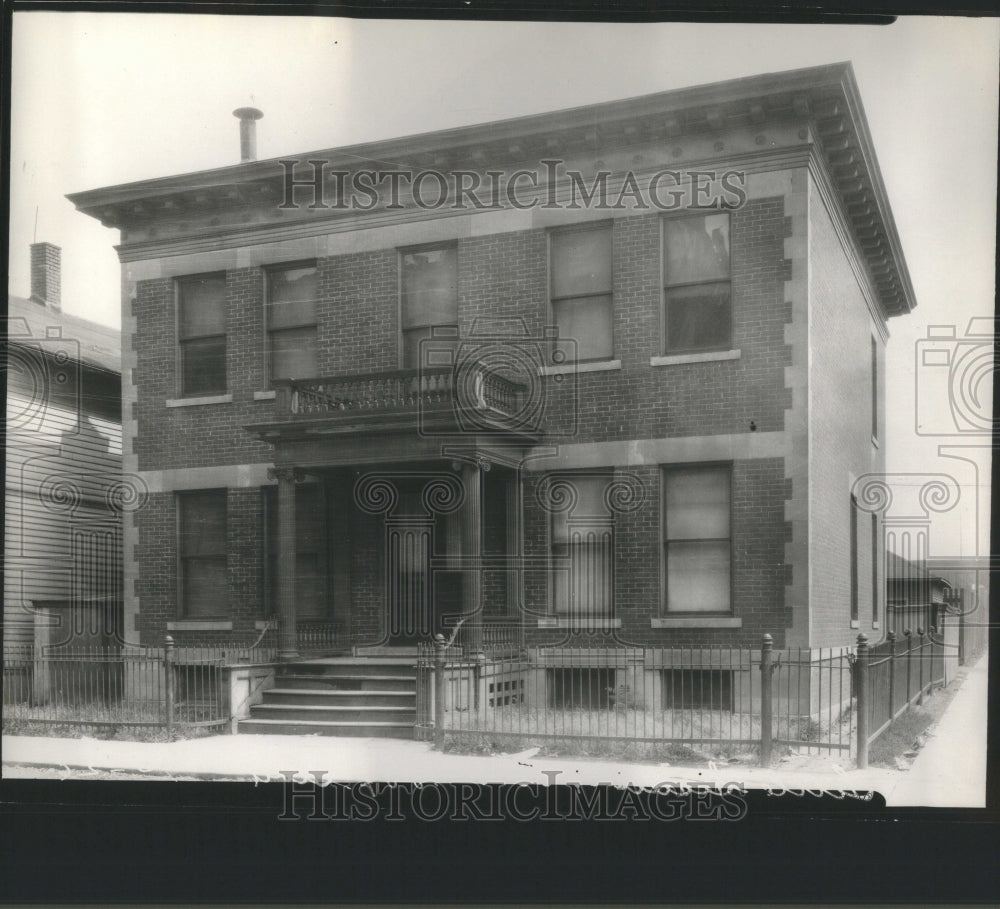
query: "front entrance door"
422, 589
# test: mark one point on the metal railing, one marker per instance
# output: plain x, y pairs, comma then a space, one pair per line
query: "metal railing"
892, 676
120, 686
129, 686
400, 391
716, 698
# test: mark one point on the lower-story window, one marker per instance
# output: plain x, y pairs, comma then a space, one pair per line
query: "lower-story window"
582, 546
697, 546
201, 528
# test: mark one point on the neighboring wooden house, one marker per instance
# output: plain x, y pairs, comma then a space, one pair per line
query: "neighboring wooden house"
916, 598
63, 489
968, 599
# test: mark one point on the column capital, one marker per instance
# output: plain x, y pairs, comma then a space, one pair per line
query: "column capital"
284, 473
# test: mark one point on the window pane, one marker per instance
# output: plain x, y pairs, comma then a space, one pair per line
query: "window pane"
582, 579
293, 353
581, 262
291, 297
436, 351
696, 249
698, 317
203, 366
430, 287
203, 306
588, 510
698, 577
587, 321
697, 503
203, 524
206, 589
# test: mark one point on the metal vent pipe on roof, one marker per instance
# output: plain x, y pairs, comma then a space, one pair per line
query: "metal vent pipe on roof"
248, 132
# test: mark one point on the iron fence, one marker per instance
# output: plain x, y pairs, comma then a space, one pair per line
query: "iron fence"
119, 686
898, 673
130, 686
728, 698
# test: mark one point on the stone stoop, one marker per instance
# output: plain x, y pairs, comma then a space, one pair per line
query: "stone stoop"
339, 696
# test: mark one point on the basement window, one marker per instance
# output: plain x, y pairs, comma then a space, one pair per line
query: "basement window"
691, 689
585, 689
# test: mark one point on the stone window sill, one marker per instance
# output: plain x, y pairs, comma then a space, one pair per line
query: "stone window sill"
199, 625
876, 626
581, 624
564, 369
855, 623
197, 402
696, 621
264, 395
707, 356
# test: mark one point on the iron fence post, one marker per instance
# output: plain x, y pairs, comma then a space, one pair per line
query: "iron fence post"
861, 676
891, 637
439, 660
168, 684
920, 663
766, 731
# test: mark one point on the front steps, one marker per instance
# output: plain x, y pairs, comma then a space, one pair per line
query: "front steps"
339, 696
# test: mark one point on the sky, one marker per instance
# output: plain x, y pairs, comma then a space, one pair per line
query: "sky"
100, 99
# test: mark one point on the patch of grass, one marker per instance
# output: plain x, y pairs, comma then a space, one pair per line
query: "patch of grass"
118, 722
900, 737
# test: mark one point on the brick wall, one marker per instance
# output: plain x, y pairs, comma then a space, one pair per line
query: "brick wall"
841, 448
503, 280
157, 584
758, 534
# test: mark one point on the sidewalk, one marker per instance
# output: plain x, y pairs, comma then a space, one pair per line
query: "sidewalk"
951, 770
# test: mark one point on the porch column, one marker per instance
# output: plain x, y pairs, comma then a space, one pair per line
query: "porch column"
286, 562
472, 553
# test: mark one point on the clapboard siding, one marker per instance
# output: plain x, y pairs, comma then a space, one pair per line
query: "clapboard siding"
62, 522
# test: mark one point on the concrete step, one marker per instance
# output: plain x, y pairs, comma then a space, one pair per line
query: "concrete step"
309, 682
334, 713
354, 666
371, 698
366, 729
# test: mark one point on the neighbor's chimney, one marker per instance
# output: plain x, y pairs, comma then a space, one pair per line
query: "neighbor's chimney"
248, 132
46, 266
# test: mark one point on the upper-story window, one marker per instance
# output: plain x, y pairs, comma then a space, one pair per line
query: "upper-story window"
697, 540
697, 293
429, 300
581, 291
202, 334
290, 307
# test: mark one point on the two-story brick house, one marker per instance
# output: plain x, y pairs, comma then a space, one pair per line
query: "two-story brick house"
637, 423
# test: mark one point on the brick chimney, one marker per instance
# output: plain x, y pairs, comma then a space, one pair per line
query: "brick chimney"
46, 266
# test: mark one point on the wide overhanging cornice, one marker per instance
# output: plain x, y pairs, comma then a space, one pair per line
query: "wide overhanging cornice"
826, 98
